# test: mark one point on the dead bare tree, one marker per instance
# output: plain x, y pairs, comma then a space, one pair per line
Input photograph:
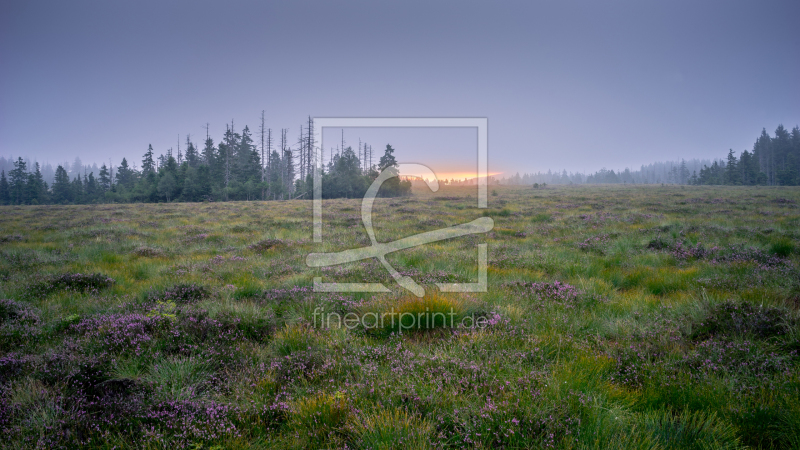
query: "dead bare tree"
301, 154
310, 145
264, 165
285, 160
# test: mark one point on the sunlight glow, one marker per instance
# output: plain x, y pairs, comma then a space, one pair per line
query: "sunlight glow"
455, 175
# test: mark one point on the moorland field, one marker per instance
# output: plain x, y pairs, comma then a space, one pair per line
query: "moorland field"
615, 317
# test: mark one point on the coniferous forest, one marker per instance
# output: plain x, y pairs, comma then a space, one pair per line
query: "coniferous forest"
235, 168
239, 168
773, 161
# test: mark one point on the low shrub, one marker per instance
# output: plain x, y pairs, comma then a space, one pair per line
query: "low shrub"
19, 323
76, 282
301, 366
11, 238
741, 318
266, 244
182, 293
659, 243
149, 252
121, 333
552, 293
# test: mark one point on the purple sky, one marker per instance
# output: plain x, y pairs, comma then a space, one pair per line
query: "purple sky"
575, 85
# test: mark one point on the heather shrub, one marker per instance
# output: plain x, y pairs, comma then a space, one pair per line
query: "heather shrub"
254, 322
542, 294
92, 379
12, 311
301, 366
75, 282
188, 423
742, 318
595, 244
19, 324
122, 333
516, 419
741, 254
149, 252
195, 333
182, 293
11, 238
742, 362
659, 243
636, 362
266, 244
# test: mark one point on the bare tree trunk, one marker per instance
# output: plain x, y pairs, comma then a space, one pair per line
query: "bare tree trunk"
263, 163
310, 145
283, 163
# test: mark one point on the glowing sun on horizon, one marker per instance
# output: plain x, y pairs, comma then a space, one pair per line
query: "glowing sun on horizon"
456, 175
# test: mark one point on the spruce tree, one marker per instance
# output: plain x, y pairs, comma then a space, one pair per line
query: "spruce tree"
62, 191
37, 188
209, 153
387, 159
275, 176
125, 176
148, 163
17, 188
192, 157
77, 193
4, 191
784, 160
104, 179
732, 169
748, 169
683, 172
91, 188
762, 152
248, 161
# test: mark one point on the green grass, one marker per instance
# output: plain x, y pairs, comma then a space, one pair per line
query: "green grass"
616, 317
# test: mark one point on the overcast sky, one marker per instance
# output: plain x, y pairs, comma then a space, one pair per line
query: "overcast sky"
564, 84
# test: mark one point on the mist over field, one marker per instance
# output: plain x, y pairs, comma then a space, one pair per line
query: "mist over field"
399, 225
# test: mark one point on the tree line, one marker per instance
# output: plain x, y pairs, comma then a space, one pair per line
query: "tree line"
239, 168
773, 161
235, 168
